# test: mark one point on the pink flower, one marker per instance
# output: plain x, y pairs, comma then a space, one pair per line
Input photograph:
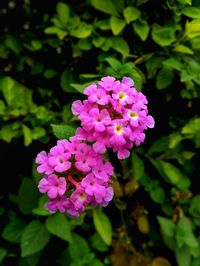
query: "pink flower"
95, 119
96, 95
108, 83
59, 159
124, 94
118, 132
44, 167
103, 171
80, 199
83, 162
104, 195
59, 204
53, 186
128, 81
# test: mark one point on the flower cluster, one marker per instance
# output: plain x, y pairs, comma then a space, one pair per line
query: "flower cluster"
75, 176
114, 115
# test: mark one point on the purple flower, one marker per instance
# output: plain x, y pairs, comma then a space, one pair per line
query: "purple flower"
58, 204
53, 186
59, 159
103, 195
119, 131
44, 167
128, 81
108, 83
95, 119
124, 94
80, 199
103, 171
84, 163
90, 184
97, 95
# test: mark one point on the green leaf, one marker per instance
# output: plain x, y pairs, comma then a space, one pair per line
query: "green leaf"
195, 206
158, 195
78, 247
137, 76
58, 225
85, 44
168, 227
185, 2
98, 243
50, 73
17, 96
137, 166
63, 12
183, 256
120, 45
27, 196
34, 238
13, 230
67, 77
164, 78
185, 232
191, 12
27, 135
80, 87
131, 14
192, 28
142, 29
54, 30
114, 63
103, 24
63, 131
153, 64
173, 63
13, 44
84, 30
102, 225
174, 175
7, 133
195, 43
174, 139
195, 262
192, 127
106, 6
160, 145
163, 35
116, 25
41, 210
95, 262
183, 49
3, 253
98, 41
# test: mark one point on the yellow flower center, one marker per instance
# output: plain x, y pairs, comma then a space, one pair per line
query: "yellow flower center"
133, 115
122, 96
118, 129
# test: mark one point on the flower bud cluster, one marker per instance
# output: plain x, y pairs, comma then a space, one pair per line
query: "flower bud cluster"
114, 115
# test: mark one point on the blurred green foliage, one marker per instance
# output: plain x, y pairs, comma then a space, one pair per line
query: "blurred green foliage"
50, 51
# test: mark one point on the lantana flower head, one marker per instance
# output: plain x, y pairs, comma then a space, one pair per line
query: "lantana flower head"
74, 176
114, 115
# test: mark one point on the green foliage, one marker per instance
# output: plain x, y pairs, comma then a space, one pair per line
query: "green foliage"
34, 238
58, 225
49, 53
103, 225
